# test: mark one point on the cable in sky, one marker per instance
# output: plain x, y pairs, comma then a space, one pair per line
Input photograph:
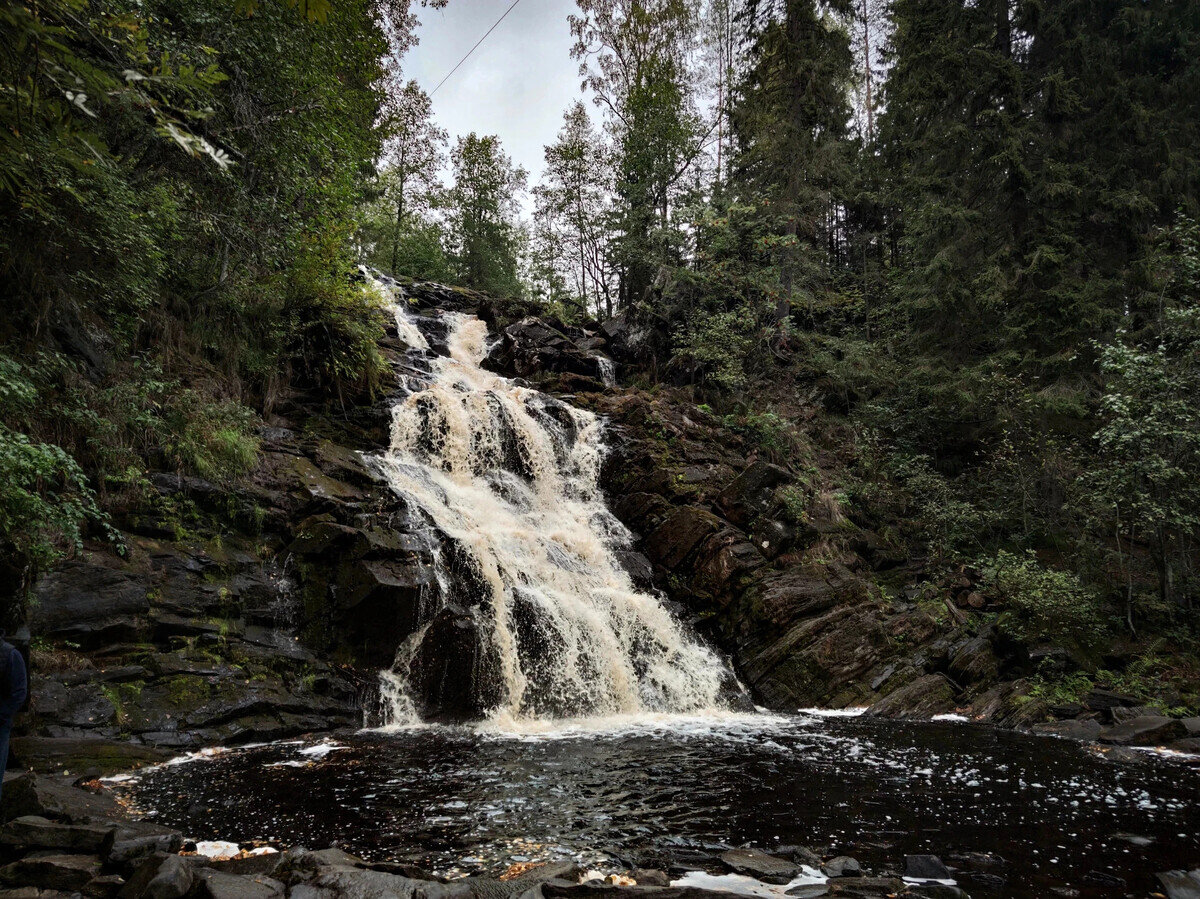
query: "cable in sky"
473, 49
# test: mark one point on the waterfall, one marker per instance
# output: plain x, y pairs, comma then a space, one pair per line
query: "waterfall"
530, 557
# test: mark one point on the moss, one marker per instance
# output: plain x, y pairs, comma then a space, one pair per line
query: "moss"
187, 690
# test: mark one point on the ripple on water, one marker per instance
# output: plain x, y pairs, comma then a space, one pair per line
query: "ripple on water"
644, 790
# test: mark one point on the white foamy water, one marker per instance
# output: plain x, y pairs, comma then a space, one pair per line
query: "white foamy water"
510, 475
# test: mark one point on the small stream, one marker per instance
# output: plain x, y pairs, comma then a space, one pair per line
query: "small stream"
1017, 815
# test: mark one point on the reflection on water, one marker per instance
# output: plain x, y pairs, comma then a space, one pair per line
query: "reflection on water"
676, 791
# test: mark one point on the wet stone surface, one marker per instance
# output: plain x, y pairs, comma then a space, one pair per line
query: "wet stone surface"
1010, 814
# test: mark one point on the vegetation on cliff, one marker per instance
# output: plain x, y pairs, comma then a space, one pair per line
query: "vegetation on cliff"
960, 236
943, 257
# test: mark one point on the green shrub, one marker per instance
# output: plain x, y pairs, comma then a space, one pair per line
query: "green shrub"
717, 344
1042, 603
214, 440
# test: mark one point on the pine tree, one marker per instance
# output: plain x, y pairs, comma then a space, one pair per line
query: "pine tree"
793, 157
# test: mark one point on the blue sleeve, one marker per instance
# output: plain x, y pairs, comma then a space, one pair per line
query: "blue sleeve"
18, 686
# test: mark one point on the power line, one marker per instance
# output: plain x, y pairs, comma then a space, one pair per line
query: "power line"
473, 49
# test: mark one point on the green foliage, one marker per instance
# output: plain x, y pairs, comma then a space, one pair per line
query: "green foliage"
333, 323
45, 501
768, 431
716, 344
1042, 603
952, 526
484, 238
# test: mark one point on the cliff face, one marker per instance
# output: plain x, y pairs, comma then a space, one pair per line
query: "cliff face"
266, 607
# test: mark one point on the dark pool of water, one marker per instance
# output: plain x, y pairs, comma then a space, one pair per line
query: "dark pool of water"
1058, 814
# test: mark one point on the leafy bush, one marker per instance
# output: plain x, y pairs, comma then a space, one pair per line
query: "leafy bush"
333, 324
952, 525
716, 344
45, 502
769, 431
1043, 603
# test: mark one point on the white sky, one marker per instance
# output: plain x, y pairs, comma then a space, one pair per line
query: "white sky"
516, 85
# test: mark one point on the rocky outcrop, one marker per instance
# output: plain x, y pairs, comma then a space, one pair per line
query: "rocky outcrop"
812, 606
239, 611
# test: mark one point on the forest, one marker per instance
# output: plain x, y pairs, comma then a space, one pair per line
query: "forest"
945, 251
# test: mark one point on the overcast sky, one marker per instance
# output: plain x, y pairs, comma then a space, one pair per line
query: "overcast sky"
516, 85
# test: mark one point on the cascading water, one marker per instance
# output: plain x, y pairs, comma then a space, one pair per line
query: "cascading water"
509, 477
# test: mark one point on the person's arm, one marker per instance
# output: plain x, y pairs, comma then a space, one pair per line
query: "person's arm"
18, 685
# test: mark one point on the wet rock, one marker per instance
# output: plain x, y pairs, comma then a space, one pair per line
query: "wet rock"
1180, 884
1122, 714
936, 891
89, 603
865, 887
1087, 730
82, 754
1147, 730
52, 872
106, 886
760, 865
133, 841
340, 880
809, 891
651, 877
35, 832
925, 867
55, 799
172, 880
1191, 725
1099, 700
975, 662
1052, 659
929, 695
842, 866
329, 856
752, 492
452, 673
212, 884
673, 541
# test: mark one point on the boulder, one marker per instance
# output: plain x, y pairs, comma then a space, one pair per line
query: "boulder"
925, 867
1147, 730
342, 880
31, 832
57, 800
842, 866
760, 865
1100, 700
132, 841
929, 695
651, 877
211, 884
52, 872
172, 880
752, 492
1122, 714
975, 662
